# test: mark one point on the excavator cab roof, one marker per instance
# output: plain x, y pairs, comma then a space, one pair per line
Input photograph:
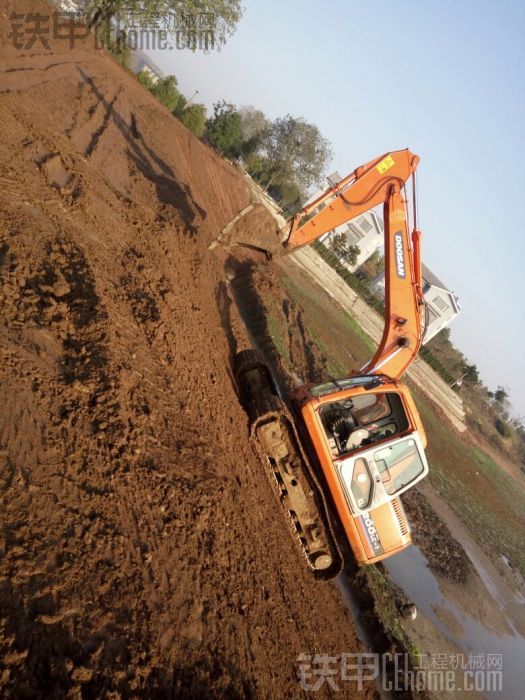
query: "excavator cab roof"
367, 382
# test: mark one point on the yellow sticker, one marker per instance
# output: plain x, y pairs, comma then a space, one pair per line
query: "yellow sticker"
385, 164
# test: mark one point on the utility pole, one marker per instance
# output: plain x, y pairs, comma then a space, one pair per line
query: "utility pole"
188, 103
459, 381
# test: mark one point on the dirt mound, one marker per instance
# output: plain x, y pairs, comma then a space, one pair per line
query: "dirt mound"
142, 553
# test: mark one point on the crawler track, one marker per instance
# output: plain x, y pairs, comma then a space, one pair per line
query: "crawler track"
275, 436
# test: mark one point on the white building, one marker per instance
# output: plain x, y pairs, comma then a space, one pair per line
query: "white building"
141, 63
365, 231
442, 305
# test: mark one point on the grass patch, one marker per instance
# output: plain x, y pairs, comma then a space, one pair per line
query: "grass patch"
346, 345
489, 501
358, 332
277, 332
386, 596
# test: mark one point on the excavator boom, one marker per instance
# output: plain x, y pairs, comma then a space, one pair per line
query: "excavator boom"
380, 181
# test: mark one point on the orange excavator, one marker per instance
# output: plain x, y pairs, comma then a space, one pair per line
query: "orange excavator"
343, 451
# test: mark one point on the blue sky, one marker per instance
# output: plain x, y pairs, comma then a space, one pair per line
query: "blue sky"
444, 79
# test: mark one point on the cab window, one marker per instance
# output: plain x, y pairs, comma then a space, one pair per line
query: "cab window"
362, 420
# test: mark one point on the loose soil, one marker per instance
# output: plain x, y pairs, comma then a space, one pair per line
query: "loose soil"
142, 551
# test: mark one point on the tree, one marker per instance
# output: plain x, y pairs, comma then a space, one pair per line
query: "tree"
223, 130
219, 16
255, 127
471, 374
444, 335
194, 118
502, 427
501, 395
254, 165
166, 91
351, 255
114, 41
295, 150
339, 245
145, 80
288, 196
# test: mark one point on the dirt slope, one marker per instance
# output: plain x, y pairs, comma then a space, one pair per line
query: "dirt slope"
141, 547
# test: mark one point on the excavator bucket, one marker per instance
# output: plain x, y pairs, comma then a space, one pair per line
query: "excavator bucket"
255, 228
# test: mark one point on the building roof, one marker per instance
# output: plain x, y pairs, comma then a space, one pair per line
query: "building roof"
140, 60
432, 279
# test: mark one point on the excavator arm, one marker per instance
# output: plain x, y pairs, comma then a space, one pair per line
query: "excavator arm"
379, 181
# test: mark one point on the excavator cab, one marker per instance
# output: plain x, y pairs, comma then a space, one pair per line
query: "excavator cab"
351, 424
367, 437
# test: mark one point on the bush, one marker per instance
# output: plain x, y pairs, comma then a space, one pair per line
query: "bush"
502, 427
194, 118
166, 91
115, 43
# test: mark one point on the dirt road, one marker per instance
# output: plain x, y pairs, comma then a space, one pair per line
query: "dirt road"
142, 551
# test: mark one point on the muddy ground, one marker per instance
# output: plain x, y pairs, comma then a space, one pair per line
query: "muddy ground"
142, 551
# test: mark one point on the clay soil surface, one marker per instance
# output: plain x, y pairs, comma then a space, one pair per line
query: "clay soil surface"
142, 550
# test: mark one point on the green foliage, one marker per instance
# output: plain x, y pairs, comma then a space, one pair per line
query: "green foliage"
352, 253
294, 149
194, 118
288, 195
437, 365
223, 14
472, 374
255, 128
145, 80
166, 92
501, 395
254, 165
115, 43
444, 335
338, 245
223, 129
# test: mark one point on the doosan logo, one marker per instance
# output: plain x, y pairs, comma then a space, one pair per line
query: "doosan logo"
400, 255
371, 532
